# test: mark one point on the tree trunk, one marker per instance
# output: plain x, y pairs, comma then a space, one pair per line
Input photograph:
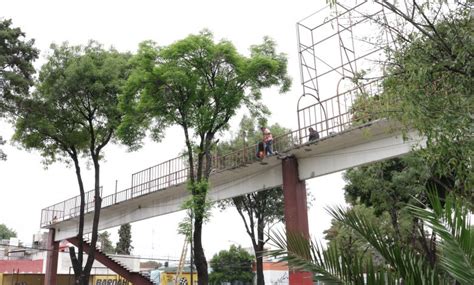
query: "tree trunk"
204, 161
260, 248
394, 218
83, 279
259, 268
95, 221
199, 257
76, 261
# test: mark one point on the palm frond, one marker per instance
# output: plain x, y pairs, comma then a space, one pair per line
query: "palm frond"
449, 220
452, 223
301, 254
411, 267
331, 265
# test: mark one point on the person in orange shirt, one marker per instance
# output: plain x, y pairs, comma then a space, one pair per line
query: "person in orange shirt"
267, 140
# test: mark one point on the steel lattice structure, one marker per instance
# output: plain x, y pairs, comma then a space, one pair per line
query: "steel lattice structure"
341, 53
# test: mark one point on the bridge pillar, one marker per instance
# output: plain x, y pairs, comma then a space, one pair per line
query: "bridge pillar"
51, 259
296, 211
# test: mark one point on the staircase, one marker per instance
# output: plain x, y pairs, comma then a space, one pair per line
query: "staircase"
134, 277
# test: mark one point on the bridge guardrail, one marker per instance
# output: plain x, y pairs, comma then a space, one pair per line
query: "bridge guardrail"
328, 117
67, 209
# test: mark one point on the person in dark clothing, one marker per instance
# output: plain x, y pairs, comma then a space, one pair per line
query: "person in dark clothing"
260, 150
313, 134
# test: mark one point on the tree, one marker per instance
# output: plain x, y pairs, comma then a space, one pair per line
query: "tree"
72, 114
351, 243
16, 68
451, 223
429, 83
260, 210
105, 242
199, 85
3, 155
382, 193
390, 187
6, 233
124, 245
150, 264
231, 265
431, 78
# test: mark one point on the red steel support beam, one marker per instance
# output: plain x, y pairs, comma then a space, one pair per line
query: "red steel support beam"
51, 259
296, 211
133, 277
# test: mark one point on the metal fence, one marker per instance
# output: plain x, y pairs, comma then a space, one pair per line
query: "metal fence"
328, 117
335, 114
67, 209
160, 176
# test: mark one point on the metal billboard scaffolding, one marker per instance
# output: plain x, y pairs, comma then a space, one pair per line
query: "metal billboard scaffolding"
341, 50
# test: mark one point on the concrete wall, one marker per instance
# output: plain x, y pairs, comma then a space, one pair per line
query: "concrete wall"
276, 277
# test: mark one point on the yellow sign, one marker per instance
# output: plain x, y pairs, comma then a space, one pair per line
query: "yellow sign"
109, 280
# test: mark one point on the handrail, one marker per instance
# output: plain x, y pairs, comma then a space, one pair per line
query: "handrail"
176, 171
67, 209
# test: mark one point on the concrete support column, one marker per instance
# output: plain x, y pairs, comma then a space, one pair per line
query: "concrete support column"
296, 211
51, 259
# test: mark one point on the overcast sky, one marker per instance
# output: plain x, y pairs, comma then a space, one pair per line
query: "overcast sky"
26, 187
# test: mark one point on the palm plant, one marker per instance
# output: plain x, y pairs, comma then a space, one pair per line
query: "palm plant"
450, 220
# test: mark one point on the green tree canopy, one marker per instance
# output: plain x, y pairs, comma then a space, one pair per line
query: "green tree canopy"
6, 233
387, 186
105, 242
16, 64
16, 68
124, 245
449, 219
72, 114
260, 210
3, 155
198, 84
231, 265
432, 80
352, 243
150, 264
429, 85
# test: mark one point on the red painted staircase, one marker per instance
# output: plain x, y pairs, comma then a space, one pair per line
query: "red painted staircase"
135, 277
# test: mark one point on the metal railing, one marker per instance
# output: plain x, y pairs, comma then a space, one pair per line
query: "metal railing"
67, 209
335, 114
165, 174
328, 117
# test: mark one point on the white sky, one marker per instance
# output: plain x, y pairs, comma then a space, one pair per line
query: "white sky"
26, 187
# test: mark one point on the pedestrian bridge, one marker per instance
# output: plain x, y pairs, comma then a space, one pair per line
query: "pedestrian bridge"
161, 189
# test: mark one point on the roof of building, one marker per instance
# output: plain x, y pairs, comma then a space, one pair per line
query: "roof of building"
274, 266
21, 266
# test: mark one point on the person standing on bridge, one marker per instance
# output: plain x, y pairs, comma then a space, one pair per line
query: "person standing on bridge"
267, 140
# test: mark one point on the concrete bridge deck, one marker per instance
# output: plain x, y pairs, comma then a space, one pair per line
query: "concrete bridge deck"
156, 191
